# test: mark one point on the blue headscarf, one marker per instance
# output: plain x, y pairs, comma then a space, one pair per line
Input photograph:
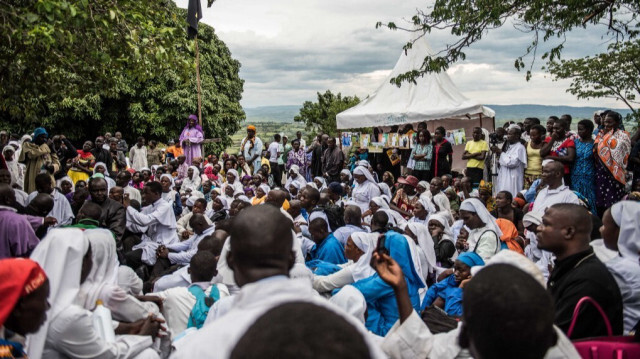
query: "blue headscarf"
40, 131
399, 250
471, 259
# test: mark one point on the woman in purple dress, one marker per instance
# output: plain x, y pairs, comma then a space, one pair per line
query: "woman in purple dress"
191, 139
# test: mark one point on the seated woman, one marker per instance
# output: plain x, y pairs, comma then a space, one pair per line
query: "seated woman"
510, 238
360, 246
65, 255
382, 311
447, 294
443, 238
261, 194
23, 302
484, 233
220, 206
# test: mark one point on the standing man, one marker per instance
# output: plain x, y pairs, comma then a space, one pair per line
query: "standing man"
512, 161
274, 154
138, 155
101, 154
122, 144
154, 154
318, 149
36, 156
475, 152
251, 148
191, 139
119, 159
332, 161
303, 143
528, 123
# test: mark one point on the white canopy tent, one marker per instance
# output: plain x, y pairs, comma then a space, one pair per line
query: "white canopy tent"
432, 97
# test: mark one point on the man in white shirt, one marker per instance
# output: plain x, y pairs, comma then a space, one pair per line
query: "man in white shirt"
556, 191
251, 147
138, 155
260, 256
181, 252
158, 217
61, 208
274, 153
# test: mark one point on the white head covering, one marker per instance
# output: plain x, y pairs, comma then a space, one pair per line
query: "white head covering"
191, 201
351, 301
346, 172
60, 255
447, 233
196, 172
380, 202
431, 209
312, 185
363, 171
68, 179
424, 184
626, 214
474, 205
323, 181
244, 198
98, 164
225, 203
517, 260
295, 169
265, 188
170, 179
295, 184
367, 243
104, 272
363, 163
425, 242
384, 188
235, 173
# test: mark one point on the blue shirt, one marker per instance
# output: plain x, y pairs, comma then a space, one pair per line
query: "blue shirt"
329, 250
448, 290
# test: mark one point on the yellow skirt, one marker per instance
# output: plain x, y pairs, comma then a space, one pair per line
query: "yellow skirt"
77, 176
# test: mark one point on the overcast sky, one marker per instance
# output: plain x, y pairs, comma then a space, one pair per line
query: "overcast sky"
291, 49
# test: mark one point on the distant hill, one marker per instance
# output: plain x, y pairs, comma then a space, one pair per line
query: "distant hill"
503, 112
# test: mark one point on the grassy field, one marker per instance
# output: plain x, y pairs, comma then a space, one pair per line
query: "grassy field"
266, 130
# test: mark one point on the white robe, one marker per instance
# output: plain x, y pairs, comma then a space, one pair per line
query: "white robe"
412, 339
253, 301
363, 193
183, 223
511, 173
186, 249
627, 275
138, 157
161, 228
133, 193
61, 208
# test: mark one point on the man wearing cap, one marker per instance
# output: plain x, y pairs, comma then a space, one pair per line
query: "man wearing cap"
406, 197
251, 147
38, 158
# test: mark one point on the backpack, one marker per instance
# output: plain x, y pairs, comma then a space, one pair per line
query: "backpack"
203, 304
335, 215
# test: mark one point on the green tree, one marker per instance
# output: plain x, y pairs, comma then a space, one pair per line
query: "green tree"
154, 105
614, 74
548, 21
321, 115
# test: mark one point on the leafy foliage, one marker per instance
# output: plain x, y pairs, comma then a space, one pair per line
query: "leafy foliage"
321, 115
614, 74
87, 67
546, 20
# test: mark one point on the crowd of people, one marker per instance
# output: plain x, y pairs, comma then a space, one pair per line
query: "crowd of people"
297, 249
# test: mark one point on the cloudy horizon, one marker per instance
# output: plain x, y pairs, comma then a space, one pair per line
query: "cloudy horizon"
290, 50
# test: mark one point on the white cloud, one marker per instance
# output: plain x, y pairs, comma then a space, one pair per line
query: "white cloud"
291, 49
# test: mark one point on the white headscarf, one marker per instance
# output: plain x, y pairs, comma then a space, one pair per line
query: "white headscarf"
443, 204
299, 178
384, 188
447, 233
351, 301
60, 255
312, 185
225, 203
626, 214
171, 195
104, 272
129, 281
323, 181
265, 188
68, 179
170, 179
431, 209
367, 243
474, 205
192, 183
295, 184
425, 242
363, 171
13, 165
234, 173
110, 182
395, 218
346, 172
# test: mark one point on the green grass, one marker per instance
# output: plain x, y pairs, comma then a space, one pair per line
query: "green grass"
265, 131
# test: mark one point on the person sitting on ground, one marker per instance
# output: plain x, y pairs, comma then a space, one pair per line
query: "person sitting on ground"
353, 224
113, 213
578, 273
116, 193
447, 294
24, 290
443, 238
484, 234
157, 216
180, 278
61, 207
17, 236
327, 248
88, 217
556, 191
504, 209
178, 302
184, 229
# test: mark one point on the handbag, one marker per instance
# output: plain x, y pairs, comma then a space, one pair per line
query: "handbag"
609, 347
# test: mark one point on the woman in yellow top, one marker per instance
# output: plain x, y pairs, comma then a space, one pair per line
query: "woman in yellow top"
534, 160
261, 194
82, 166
